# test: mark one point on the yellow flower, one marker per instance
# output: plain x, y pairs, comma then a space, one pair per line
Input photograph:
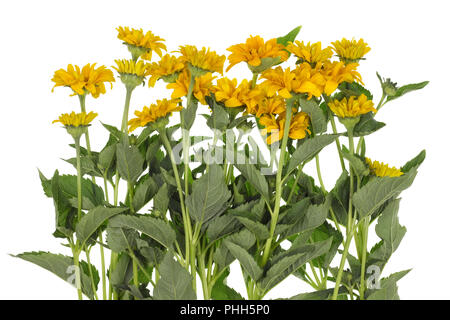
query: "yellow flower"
150, 114
87, 80
337, 72
131, 67
167, 68
202, 60
76, 119
202, 86
383, 170
254, 50
275, 126
311, 53
350, 51
259, 102
353, 107
230, 93
303, 79
141, 44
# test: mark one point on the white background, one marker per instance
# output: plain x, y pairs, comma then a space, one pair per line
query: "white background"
409, 41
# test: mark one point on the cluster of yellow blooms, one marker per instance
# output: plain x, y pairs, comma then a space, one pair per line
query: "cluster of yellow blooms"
314, 75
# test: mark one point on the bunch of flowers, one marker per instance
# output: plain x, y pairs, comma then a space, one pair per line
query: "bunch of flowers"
184, 217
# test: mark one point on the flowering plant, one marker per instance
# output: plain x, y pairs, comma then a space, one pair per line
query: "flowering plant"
190, 213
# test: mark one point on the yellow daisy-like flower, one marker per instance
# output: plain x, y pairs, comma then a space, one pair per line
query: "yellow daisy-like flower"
131, 67
275, 126
337, 72
141, 44
167, 68
150, 114
254, 50
86, 80
311, 53
350, 51
259, 102
202, 86
303, 79
232, 94
73, 119
383, 170
203, 60
353, 107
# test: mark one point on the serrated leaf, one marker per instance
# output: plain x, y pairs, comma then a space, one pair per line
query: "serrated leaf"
318, 295
129, 162
357, 162
308, 149
255, 177
379, 190
388, 287
219, 118
144, 193
90, 222
221, 226
367, 125
175, 282
161, 200
188, 114
221, 291
106, 156
245, 259
407, 88
415, 162
209, 196
63, 267
154, 228
121, 239
318, 119
260, 231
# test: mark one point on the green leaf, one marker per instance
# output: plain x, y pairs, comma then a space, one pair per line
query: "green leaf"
106, 156
246, 260
290, 37
390, 231
221, 291
161, 200
90, 222
308, 149
415, 162
367, 125
354, 89
64, 211
261, 231
175, 282
310, 219
188, 114
221, 226
407, 88
144, 135
144, 193
379, 190
285, 263
318, 295
219, 118
92, 194
46, 184
63, 267
318, 119
114, 131
129, 162
223, 256
155, 228
121, 239
209, 196
388, 287
123, 271
357, 162
255, 177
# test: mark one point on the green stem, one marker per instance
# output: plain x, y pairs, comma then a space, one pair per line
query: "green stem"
338, 143
350, 227
381, 103
291, 193
76, 261
91, 275
186, 220
365, 234
102, 257
126, 109
319, 174
254, 79
276, 210
80, 203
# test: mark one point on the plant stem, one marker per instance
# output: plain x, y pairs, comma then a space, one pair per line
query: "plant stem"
291, 193
254, 79
350, 227
276, 210
186, 220
338, 144
365, 234
91, 275
126, 109
76, 261
319, 174
80, 202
